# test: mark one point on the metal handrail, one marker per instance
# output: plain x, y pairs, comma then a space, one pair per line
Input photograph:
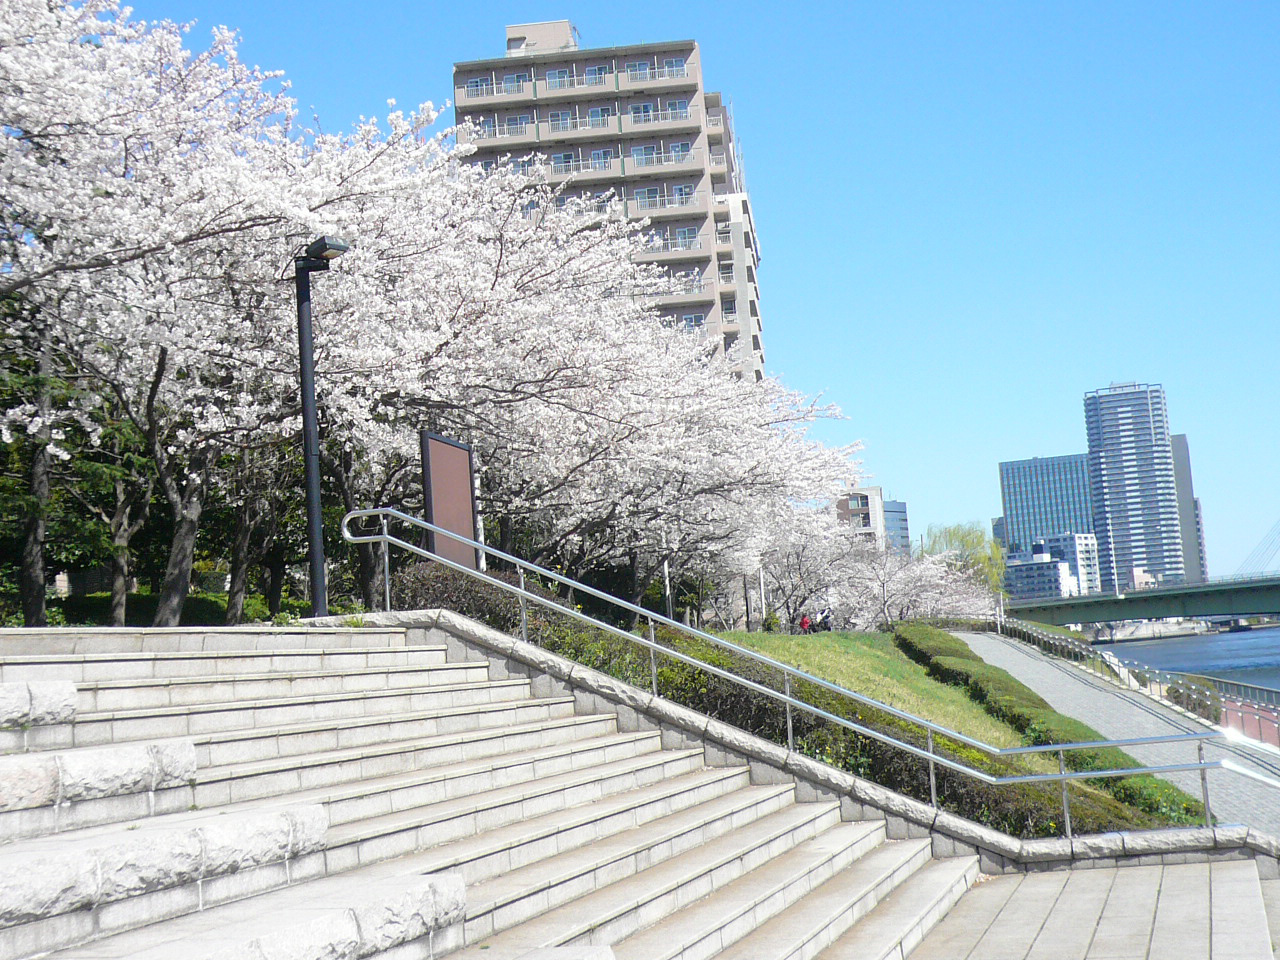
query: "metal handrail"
789, 674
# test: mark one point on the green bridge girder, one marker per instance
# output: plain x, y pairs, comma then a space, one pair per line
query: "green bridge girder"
1237, 597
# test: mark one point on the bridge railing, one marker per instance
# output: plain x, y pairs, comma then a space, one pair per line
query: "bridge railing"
389, 520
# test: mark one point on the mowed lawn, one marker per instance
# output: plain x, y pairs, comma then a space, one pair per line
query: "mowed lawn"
872, 665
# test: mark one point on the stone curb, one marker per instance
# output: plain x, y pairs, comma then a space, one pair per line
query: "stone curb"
397, 913
952, 835
41, 779
36, 703
35, 885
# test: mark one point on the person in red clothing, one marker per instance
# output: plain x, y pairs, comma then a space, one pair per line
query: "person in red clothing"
805, 623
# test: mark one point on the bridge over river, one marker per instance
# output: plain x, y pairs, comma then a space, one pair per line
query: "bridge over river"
1222, 596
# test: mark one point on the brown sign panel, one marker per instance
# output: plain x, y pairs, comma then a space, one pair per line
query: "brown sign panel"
450, 497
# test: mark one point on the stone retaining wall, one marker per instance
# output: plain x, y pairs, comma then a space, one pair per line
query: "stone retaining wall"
860, 799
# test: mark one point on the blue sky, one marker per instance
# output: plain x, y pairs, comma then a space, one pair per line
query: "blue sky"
970, 213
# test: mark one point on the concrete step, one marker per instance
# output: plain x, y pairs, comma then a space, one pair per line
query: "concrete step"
95, 667
212, 719
292, 775
588, 902
267, 742
703, 929
406, 831
905, 916
105, 696
822, 917
117, 640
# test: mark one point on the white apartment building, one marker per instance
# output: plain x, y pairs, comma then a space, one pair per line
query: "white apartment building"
635, 123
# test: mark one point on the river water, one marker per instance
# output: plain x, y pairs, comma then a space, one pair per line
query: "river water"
1251, 656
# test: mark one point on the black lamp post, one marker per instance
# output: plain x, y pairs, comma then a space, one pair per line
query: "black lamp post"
317, 257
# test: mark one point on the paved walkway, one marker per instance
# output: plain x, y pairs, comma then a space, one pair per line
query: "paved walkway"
1190, 911
1117, 714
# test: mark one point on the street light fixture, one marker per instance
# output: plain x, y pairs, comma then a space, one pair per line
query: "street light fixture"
316, 257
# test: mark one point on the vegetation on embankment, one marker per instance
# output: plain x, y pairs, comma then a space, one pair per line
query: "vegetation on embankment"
950, 661
1026, 810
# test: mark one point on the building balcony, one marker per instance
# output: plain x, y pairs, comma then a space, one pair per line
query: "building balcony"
494, 92
657, 79
680, 205
719, 163
664, 249
661, 164
724, 239
566, 88
715, 127
577, 128
694, 291
661, 121
582, 170
507, 135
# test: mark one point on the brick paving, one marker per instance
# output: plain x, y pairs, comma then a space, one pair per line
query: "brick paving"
1118, 714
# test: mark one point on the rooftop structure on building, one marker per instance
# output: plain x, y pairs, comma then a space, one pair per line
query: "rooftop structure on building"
635, 123
1132, 485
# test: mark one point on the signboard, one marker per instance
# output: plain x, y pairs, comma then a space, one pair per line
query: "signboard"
449, 493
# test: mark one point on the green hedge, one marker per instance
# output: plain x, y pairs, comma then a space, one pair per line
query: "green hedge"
951, 661
1024, 810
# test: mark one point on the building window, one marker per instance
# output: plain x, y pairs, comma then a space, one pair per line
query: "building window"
596, 76
686, 238
692, 321
683, 194
557, 79
514, 82
646, 198
479, 87
560, 121
599, 116
641, 112
678, 109
674, 67
680, 151
602, 158
644, 156
640, 70
561, 162
516, 125
729, 307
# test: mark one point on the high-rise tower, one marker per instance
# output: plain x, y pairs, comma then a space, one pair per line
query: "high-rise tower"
636, 123
1132, 485
1044, 497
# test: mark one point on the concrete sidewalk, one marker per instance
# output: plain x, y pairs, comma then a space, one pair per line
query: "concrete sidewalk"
1117, 714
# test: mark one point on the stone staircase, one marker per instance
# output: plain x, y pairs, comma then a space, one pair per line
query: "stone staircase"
325, 792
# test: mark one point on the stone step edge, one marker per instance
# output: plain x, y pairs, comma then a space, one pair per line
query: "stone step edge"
882, 936
787, 822
760, 894
263, 768
42, 659
416, 817
276, 703
877, 874
126, 683
46, 778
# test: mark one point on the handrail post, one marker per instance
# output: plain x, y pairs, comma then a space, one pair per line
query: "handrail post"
524, 609
653, 661
933, 777
1204, 785
786, 688
386, 566
1066, 796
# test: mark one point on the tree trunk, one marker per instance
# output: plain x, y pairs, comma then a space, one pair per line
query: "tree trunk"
274, 566
119, 577
239, 581
177, 574
31, 576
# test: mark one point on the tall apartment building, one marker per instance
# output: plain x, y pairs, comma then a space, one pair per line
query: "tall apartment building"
1132, 485
1190, 520
1044, 497
635, 123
